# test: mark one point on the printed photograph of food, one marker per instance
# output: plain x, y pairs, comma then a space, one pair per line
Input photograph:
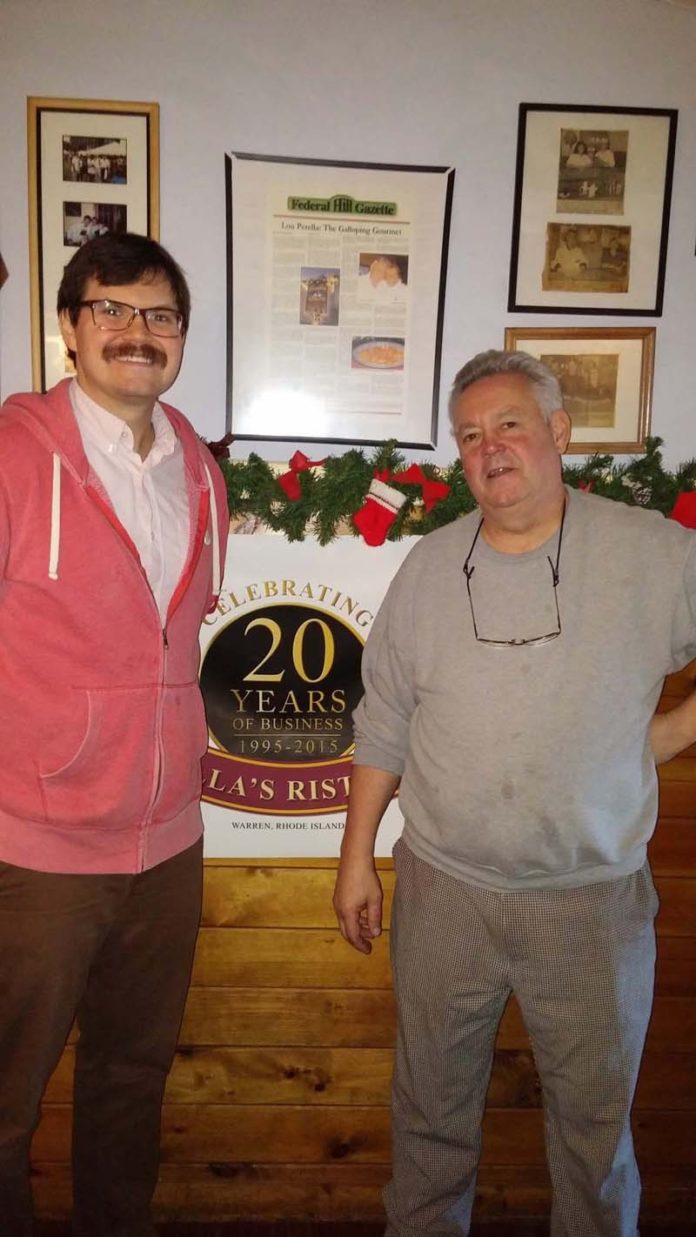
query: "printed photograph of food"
368, 352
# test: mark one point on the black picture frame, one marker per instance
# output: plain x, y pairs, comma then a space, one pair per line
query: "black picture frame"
336, 274
605, 195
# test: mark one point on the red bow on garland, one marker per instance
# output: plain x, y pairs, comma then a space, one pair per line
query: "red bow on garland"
290, 481
219, 450
382, 501
433, 491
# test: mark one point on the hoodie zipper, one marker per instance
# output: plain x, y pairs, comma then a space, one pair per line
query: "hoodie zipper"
206, 504
184, 581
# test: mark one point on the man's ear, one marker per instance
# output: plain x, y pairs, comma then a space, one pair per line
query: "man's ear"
561, 427
67, 330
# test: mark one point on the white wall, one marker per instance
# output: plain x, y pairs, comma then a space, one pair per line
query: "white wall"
404, 81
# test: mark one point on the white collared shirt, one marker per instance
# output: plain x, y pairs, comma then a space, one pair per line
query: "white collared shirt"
148, 496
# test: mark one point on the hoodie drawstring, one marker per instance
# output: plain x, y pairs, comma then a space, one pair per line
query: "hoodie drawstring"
217, 578
54, 548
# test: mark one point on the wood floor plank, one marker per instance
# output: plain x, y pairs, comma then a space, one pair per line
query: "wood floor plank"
287, 957
320, 958
270, 897
210, 1194
336, 1077
281, 1135
249, 1228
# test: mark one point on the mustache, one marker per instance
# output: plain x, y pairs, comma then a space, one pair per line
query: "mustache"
148, 352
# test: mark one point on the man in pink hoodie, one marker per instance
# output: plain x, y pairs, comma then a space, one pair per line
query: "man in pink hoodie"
113, 522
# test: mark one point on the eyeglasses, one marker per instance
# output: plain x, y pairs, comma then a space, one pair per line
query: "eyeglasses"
519, 641
116, 316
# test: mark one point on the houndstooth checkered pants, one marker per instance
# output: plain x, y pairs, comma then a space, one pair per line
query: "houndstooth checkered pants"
581, 964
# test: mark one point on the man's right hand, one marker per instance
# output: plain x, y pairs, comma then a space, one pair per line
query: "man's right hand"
357, 902
358, 893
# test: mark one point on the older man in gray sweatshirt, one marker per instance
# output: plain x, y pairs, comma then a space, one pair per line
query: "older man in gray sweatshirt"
510, 682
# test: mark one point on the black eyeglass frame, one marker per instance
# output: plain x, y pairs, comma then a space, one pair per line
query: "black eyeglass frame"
518, 642
134, 313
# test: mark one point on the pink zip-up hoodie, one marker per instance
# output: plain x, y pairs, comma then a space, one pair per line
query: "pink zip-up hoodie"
102, 726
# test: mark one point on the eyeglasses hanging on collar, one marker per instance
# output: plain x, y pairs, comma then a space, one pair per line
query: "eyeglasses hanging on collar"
520, 641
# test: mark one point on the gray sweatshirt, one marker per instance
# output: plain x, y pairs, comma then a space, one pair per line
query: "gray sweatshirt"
530, 766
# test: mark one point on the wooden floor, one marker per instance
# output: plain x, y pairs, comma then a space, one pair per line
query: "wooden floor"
494, 1228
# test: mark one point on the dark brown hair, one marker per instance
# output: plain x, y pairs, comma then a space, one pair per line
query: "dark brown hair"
120, 258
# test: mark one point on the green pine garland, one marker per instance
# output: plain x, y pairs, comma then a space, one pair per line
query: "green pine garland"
331, 496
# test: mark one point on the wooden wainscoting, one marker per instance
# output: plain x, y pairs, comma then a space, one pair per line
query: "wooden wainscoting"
277, 1105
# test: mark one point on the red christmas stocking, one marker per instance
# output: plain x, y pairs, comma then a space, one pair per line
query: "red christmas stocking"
382, 505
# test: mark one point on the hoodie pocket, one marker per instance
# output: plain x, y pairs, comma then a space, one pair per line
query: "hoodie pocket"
184, 743
102, 773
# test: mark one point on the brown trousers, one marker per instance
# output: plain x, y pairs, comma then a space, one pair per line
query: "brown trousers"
115, 952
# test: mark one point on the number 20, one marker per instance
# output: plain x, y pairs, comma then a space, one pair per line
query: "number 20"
298, 662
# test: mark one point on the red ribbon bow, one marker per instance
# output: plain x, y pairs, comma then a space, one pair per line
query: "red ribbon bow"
433, 491
220, 450
290, 481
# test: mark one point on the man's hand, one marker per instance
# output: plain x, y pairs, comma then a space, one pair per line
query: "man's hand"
358, 893
357, 902
673, 731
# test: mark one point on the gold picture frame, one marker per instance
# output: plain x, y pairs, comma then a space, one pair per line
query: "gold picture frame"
93, 168
606, 375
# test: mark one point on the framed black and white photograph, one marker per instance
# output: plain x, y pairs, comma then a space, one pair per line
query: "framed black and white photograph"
93, 169
336, 285
606, 376
95, 160
591, 209
82, 221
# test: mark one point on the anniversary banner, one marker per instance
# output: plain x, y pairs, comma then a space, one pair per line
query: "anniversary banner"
280, 675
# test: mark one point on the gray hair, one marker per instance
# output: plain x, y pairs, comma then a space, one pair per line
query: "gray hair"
547, 388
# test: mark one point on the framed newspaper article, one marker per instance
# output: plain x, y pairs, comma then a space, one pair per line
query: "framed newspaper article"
336, 285
93, 168
591, 212
606, 376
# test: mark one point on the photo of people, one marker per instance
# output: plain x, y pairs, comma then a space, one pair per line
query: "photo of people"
82, 221
368, 352
95, 160
383, 277
588, 382
592, 171
319, 295
586, 258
